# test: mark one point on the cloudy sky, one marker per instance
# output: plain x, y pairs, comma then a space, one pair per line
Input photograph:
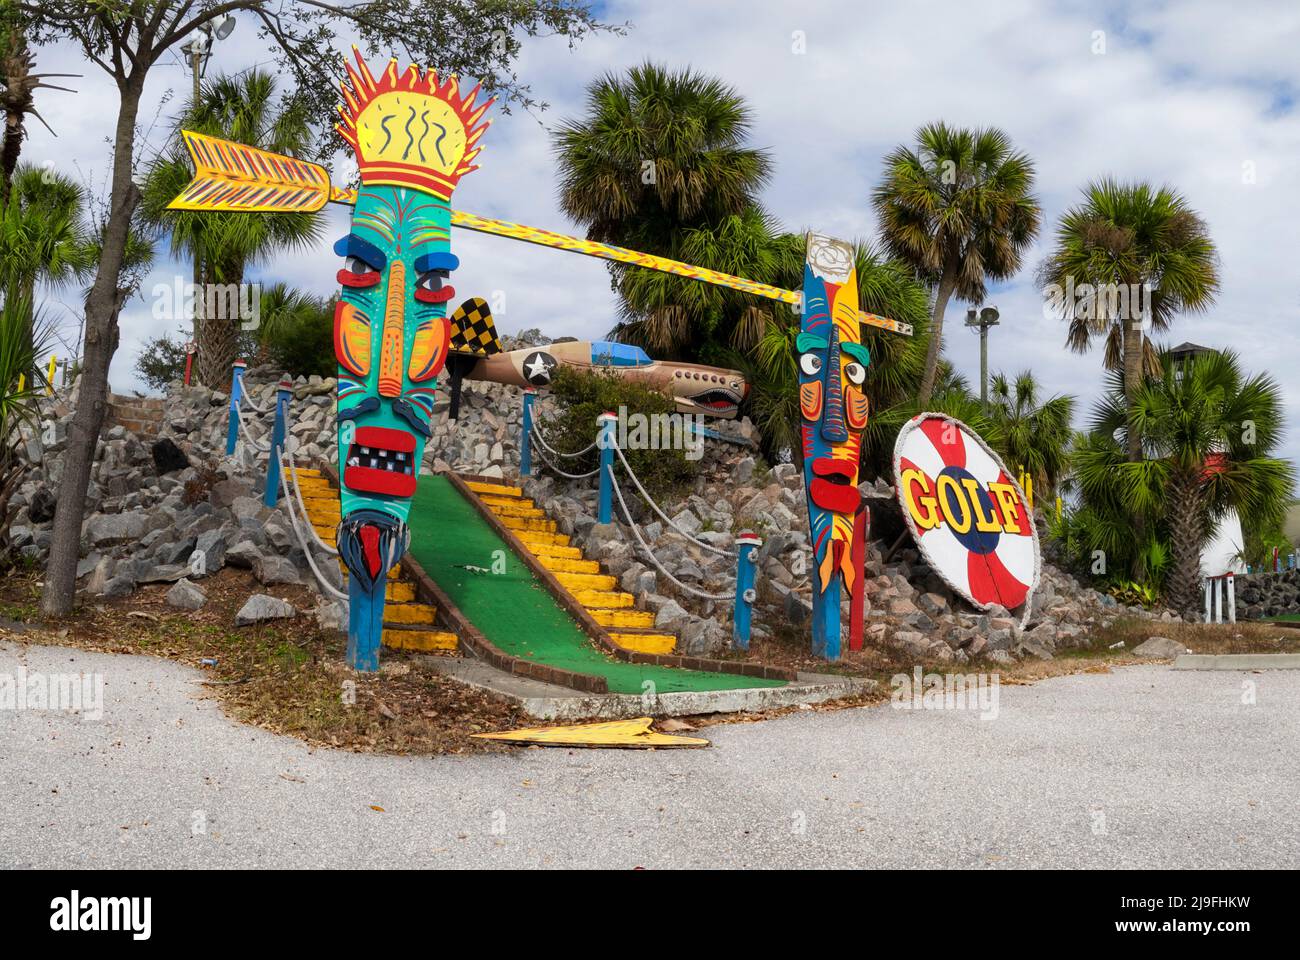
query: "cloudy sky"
1197, 94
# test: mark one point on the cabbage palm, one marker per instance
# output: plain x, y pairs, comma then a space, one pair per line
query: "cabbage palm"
958, 208
659, 163
1208, 433
43, 237
244, 108
1036, 432
1130, 236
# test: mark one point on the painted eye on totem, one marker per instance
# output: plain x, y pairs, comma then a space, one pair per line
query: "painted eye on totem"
431, 289
810, 364
856, 373
358, 273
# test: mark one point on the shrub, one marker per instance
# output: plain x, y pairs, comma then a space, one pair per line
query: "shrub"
160, 361
584, 396
300, 337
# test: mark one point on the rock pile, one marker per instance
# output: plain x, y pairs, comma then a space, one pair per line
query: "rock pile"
1262, 595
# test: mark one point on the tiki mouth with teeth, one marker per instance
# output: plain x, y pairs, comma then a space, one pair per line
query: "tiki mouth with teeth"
719, 401
381, 460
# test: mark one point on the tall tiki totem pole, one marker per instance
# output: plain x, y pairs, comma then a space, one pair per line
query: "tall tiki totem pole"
833, 409
413, 138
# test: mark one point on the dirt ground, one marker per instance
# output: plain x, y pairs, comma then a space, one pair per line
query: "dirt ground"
289, 677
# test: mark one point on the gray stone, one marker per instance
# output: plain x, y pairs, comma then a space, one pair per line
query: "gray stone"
797, 610
274, 569
119, 586
1161, 648
331, 615
184, 595
915, 644
246, 508
670, 613
162, 573
261, 608
243, 554
108, 529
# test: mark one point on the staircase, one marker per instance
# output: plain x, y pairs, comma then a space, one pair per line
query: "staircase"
408, 624
596, 591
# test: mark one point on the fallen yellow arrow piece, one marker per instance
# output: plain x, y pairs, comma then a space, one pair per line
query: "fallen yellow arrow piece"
634, 734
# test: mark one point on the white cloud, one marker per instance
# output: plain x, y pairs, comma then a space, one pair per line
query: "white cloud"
1185, 94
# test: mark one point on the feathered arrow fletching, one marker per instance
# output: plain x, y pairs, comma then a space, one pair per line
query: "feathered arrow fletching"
237, 178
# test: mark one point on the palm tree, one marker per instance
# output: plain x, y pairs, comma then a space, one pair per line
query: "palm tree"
243, 108
1131, 254
43, 237
17, 100
656, 151
959, 209
1208, 433
1036, 433
659, 163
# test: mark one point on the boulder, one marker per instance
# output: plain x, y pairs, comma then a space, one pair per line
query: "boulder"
167, 457
260, 608
1159, 648
109, 529
184, 595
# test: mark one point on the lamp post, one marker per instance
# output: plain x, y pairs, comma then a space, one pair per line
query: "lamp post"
200, 49
987, 317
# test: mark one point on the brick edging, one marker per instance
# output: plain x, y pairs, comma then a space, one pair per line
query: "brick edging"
583, 617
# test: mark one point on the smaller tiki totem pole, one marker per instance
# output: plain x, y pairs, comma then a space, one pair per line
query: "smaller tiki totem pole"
414, 138
833, 407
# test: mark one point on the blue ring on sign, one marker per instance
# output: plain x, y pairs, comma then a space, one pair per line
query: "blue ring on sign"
976, 541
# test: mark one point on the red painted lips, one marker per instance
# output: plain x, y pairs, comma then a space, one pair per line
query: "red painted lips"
832, 487
381, 460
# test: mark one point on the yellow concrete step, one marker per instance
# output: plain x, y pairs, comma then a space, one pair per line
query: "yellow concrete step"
316, 487
603, 599
426, 640
534, 524
494, 489
568, 564
634, 619
573, 582
515, 508
495, 501
537, 541
646, 642
412, 613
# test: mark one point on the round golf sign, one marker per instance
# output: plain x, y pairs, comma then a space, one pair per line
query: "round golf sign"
967, 514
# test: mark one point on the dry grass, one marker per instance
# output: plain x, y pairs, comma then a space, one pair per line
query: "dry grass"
287, 677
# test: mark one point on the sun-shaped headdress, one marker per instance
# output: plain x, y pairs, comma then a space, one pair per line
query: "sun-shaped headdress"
410, 130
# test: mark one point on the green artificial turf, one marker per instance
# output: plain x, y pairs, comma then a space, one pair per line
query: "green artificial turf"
459, 550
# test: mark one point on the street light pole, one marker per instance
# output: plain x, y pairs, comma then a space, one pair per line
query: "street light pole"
987, 317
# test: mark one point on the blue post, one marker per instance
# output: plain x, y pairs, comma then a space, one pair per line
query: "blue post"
747, 545
826, 620
283, 394
236, 394
526, 445
608, 423
365, 623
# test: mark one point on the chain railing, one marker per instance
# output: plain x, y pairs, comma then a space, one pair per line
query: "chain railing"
747, 544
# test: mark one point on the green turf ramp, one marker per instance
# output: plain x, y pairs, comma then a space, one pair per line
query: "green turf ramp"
513, 610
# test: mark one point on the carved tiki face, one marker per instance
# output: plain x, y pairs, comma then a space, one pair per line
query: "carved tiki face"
833, 407
413, 139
